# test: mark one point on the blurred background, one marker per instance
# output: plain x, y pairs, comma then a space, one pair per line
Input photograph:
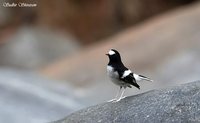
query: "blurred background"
52, 56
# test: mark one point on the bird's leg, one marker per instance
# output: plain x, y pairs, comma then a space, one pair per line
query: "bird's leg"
116, 95
123, 93
121, 96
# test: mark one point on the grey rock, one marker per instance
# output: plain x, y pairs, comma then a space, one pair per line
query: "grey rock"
5, 14
26, 97
34, 47
179, 104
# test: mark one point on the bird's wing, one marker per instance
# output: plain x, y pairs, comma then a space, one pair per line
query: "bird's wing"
130, 80
126, 75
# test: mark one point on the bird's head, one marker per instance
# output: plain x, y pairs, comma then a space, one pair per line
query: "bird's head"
114, 55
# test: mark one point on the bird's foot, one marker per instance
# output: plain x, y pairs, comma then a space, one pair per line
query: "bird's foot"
117, 100
112, 100
123, 97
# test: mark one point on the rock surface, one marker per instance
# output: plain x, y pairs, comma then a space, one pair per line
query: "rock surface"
89, 20
33, 47
180, 104
29, 98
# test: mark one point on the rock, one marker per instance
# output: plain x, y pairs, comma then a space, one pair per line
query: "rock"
89, 20
5, 15
26, 97
180, 104
93, 20
33, 47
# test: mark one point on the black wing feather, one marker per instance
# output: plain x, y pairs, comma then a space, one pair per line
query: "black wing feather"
130, 80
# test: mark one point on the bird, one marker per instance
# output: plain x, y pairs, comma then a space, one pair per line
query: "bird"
121, 75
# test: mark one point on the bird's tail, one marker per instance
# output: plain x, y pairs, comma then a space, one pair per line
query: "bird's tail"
136, 85
141, 77
145, 78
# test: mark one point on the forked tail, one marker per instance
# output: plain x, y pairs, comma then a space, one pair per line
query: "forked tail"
141, 77
145, 78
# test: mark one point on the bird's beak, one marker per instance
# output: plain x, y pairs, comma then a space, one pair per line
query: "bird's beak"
107, 54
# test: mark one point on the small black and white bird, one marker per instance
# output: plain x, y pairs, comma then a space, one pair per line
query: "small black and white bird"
120, 75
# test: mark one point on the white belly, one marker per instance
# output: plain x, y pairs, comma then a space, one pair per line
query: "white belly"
111, 73
114, 76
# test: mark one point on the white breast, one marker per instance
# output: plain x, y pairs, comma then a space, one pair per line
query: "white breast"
114, 76
111, 73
